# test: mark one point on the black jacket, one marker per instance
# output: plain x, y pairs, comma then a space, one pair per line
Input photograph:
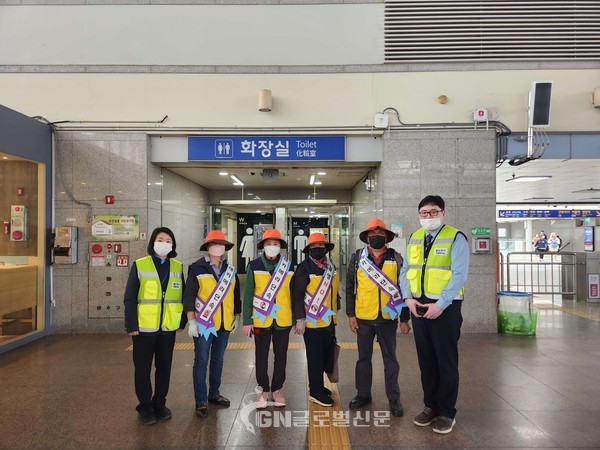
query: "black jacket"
390, 255
202, 267
131, 294
300, 281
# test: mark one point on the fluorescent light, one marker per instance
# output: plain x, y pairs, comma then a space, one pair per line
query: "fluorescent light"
224, 174
586, 191
250, 194
317, 183
527, 178
237, 180
312, 179
309, 202
321, 173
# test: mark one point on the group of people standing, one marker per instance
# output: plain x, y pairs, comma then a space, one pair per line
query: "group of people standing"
542, 244
382, 289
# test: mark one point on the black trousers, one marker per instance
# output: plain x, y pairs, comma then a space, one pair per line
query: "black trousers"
318, 343
386, 336
262, 341
437, 350
158, 346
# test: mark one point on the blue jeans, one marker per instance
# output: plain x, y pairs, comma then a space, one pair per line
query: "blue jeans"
202, 347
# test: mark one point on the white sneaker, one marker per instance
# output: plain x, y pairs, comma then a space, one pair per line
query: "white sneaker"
278, 398
261, 401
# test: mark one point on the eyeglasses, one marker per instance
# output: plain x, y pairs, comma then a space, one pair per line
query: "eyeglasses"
433, 213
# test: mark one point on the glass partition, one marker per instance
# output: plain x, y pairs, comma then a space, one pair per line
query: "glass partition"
22, 210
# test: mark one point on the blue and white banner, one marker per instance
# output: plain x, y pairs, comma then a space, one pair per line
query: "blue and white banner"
267, 148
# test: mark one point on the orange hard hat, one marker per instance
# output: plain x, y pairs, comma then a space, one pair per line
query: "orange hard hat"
373, 224
318, 238
272, 234
217, 237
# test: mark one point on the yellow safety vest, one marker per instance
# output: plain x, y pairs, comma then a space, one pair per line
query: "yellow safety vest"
283, 299
331, 300
431, 275
150, 296
370, 299
207, 283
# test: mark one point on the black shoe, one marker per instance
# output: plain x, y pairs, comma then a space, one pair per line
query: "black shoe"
359, 402
202, 410
327, 392
323, 400
425, 418
163, 413
147, 417
220, 400
396, 408
443, 425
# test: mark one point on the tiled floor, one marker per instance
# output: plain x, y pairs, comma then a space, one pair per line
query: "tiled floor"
516, 392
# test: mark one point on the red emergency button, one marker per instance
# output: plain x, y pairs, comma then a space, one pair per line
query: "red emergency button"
109, 246
96, 248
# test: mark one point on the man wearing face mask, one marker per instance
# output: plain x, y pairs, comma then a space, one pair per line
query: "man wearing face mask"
153, 312
267, 313
316, 302
373, 303
213, 305
433, 277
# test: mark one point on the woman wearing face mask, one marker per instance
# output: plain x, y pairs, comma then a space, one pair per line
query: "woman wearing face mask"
433, 278
267, 314
153, 312
373, 303
212, 301
316, 302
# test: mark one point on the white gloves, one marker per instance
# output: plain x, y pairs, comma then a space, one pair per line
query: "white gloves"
299, 328
235, 324
193, 331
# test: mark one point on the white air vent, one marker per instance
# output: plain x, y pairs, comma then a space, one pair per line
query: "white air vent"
474, 30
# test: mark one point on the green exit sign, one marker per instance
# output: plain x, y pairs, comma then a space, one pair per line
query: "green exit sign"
481, 231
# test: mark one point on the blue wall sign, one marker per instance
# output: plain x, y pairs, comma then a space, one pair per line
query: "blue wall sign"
548, 213
266, 148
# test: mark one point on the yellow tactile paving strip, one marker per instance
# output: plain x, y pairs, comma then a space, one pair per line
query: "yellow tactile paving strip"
324, 431
250, 346
571, 311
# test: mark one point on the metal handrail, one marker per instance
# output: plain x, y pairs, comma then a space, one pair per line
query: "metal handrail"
547, 273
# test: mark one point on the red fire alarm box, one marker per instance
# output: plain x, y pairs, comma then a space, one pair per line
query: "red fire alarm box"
109, 199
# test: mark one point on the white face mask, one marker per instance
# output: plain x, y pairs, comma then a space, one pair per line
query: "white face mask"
432, 223
216, 250
162, 248
272, 250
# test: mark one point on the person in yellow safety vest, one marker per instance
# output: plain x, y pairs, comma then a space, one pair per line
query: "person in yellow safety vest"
433, 276
366, 303
268, 318
153, 312
319, 329
206, 277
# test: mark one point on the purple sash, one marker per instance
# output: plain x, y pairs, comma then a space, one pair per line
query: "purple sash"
395, 304
205, 311
264, 304
315, 309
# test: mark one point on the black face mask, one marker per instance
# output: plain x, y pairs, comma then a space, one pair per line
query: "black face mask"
377, 242
317, 252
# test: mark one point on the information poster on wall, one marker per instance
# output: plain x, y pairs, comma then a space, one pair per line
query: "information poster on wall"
115, 228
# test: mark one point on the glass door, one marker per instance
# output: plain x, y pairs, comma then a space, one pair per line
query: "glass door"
22, 244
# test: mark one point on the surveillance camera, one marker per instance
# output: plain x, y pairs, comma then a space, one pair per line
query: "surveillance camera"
252, 173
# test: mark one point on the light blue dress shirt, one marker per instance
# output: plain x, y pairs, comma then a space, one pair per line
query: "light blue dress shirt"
459, 265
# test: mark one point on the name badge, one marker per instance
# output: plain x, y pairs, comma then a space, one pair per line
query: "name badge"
441, 251
176, 285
